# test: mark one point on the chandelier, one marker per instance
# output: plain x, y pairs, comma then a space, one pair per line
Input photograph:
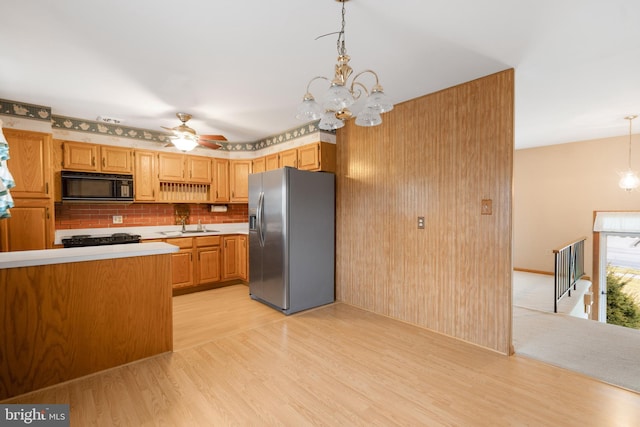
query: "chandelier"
342, 94
629, 180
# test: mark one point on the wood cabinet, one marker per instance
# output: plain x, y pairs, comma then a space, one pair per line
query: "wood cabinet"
116, 159
30, 163
243, 257
320, 156
235, 257
288, 158
220, 180
96, 158
184, 168
205, 260
272, 161
198, 169
208, 259
171, 167
230, 258
258, 165
182, 263
31, 225
239, 171
145, 178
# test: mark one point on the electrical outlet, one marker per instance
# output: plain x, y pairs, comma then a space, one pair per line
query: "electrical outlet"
420, 222
117, 219
486, 207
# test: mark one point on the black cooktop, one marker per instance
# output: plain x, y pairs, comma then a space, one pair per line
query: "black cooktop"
82, 240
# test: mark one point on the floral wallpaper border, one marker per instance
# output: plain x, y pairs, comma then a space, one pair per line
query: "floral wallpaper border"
21, 109
37, 112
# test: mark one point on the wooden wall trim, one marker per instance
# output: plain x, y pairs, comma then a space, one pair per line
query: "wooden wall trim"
437, 156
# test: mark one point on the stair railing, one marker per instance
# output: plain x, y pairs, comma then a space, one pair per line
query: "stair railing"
569, 268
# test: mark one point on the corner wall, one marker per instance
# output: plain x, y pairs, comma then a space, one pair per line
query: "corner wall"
557, 189
437, 156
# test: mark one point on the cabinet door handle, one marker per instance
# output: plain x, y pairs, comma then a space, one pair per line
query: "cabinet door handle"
93, 161
233, 194
46, 188
47, 211
104, 162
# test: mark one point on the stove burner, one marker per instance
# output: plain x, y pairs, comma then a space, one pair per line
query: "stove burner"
83, 240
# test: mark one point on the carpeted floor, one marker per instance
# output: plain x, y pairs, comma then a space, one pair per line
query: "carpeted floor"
608, 352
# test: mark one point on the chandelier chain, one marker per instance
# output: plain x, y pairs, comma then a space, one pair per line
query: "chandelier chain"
340, 44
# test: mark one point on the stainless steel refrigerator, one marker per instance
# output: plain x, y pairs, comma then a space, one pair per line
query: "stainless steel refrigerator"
292, 238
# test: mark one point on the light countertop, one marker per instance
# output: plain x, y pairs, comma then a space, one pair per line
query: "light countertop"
158, 232
89, 253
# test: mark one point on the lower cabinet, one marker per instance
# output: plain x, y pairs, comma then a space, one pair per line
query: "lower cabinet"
182, 263
234, 260
208, 259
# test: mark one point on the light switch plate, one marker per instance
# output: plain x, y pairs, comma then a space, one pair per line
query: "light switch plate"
117, 219
486, 207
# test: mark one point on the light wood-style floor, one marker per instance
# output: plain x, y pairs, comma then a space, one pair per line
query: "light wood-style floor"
336, 366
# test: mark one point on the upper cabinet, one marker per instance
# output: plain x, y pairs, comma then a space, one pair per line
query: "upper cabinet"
184, 168
258, 165
272, 161
96, 158
288, 158
199, 169
145, 178
171, 167
116, 159
221, 181
320, 156
30, 163
239, 171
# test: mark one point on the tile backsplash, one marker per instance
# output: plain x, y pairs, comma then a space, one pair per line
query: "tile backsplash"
96, 215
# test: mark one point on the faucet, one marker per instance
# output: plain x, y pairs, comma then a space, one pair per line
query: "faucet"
183, 226
199, 228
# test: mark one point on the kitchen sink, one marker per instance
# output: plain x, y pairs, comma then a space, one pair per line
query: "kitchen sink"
177, 233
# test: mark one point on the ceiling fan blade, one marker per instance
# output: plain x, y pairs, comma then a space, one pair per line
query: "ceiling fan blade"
209, 144
213, 137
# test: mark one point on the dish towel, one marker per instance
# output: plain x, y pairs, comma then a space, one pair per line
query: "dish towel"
6, 180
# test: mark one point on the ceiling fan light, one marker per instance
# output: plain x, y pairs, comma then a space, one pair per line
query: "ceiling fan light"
329, 121
184, 144
629, 181
338, 98
379, 101
368, 117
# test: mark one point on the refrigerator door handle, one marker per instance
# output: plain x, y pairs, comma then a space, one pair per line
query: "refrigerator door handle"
259, 218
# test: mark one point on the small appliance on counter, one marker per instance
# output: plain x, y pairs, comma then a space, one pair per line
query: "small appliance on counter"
83, 240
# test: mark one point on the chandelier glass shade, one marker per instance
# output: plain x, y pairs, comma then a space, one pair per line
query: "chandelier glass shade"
629, 180
343, 93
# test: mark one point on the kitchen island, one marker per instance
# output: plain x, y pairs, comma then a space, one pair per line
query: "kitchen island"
65, 313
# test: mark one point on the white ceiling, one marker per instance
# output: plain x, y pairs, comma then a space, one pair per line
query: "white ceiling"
241, 67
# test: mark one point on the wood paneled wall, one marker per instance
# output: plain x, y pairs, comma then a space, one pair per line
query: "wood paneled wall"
437, 156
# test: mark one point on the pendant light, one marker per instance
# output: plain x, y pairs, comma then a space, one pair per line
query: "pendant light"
342, 94
629, 180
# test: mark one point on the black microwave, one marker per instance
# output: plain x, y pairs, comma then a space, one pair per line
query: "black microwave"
96, 187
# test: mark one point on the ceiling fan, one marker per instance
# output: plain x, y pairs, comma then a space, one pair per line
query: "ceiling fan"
185, 138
